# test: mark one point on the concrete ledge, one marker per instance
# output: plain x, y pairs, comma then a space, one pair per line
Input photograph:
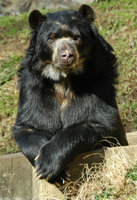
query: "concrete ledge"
132, 138
42, 190
17, 177
127, 151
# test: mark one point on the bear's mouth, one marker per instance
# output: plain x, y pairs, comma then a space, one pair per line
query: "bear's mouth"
57, 71
63, 66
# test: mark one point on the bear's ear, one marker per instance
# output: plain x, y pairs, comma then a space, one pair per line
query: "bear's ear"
35, 18
87, 12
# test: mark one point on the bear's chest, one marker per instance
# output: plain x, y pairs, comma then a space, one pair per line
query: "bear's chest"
72, 108
64, 96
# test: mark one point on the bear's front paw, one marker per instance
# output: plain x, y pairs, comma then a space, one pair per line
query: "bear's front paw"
47, 163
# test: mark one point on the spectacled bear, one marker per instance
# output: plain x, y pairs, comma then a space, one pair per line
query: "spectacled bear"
67, 94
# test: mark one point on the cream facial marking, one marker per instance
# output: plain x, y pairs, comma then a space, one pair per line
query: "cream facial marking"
77, 66
50, 71
73, 17
58, 42
55, 69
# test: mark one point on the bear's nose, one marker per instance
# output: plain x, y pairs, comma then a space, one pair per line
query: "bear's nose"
67, 56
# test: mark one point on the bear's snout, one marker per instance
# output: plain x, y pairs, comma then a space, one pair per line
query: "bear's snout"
67, 56
64, 52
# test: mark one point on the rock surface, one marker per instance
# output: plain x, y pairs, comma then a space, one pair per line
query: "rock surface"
14, 7
10, 7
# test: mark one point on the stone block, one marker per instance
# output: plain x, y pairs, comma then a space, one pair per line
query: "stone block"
132, 138
15, 177
43, 190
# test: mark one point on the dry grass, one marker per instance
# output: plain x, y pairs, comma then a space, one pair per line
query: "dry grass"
105, 181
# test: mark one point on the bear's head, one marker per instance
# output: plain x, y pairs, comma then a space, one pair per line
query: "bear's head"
67, 43
63, 41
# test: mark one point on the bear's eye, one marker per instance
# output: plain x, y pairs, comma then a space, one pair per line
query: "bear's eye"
50, 40
76, 37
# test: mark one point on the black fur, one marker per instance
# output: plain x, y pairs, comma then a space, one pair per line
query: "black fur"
91, 114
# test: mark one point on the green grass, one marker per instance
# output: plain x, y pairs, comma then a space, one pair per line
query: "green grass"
132, 174
8, 110
8, 68
116, 21
13, 26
